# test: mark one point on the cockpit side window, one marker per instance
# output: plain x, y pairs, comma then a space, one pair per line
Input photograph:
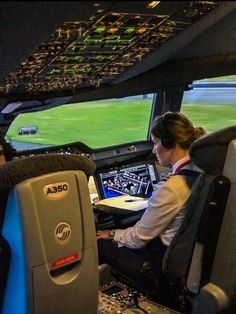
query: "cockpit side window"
211, 103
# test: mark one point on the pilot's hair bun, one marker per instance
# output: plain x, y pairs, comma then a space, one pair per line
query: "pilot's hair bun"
199, 132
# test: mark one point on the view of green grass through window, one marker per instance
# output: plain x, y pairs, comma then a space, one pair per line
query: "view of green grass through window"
117, 121
212, 106
96, 123
209, 117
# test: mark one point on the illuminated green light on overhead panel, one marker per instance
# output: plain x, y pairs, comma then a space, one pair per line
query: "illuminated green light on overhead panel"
54, 72
111, 39
100, 29
130, 30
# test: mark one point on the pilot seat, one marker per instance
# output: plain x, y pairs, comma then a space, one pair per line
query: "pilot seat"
48, 257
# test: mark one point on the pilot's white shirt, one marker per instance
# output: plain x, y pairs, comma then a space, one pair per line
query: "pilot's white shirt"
163, 216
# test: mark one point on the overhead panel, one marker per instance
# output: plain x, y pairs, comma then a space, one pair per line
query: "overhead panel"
91, 53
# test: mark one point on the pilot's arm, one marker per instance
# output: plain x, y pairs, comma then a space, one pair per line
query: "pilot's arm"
161, 218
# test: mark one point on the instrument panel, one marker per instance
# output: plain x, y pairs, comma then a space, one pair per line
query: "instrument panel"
102, 156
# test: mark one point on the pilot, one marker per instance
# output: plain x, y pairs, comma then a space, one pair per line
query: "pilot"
126, 249
7, 152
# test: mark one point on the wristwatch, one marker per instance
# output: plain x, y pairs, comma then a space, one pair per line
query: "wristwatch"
111, 234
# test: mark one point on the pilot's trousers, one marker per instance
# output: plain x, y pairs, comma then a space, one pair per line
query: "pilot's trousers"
135, 263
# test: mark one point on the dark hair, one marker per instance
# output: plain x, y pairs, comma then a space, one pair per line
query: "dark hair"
174, 128
8, 151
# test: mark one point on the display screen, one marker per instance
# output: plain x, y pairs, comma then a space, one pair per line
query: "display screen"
133, 179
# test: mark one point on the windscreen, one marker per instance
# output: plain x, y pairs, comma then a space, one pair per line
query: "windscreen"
96, 124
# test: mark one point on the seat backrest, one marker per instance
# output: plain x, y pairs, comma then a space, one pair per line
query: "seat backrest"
218, 295
189, 259
49, 227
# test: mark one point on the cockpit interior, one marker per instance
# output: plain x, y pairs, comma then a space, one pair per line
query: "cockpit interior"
86, 79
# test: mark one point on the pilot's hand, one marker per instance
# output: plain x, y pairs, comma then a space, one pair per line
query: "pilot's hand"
105, 234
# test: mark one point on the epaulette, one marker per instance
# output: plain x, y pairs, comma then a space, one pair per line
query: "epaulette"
189, 173
166, 177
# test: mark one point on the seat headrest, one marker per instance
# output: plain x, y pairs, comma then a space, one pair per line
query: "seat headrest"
209, 152
18, 170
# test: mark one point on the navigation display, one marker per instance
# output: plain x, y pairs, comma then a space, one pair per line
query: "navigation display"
133, 179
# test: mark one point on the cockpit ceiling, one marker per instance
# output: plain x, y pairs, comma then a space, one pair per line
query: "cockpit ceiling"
91, 52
